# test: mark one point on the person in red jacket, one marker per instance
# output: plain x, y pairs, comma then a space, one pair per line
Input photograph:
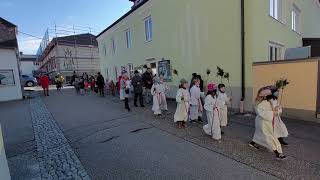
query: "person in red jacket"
118, 84
44, 80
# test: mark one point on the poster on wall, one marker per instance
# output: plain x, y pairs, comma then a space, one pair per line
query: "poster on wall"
6, 78
164, 69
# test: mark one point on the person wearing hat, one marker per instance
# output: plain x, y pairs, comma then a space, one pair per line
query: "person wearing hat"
156, 92
182, 99
212, 105
264, 132
137, 84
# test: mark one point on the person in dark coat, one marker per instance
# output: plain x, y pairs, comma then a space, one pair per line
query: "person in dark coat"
137, 84
147, 79
201, 83
100, 84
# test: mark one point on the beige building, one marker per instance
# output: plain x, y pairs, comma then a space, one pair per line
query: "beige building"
191, 36
67, 54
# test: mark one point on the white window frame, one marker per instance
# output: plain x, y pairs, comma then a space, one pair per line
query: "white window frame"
275, 51
275, 9
113, 46
128, 38
148, 28
295, 18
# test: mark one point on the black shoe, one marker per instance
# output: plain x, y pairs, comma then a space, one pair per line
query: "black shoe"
282, 142
143, 106
159, 114
253, 145
200, 120
222, 132
281, 157
128, 109
135, 105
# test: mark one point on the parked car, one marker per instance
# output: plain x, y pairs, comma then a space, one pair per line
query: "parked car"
29, 81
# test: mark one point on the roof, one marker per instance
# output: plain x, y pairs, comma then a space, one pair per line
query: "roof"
79, 39
7, 23
124, 16
13, 43
26, 57
8, 39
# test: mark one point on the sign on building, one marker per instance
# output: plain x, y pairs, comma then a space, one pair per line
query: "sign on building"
164, 69
6, 78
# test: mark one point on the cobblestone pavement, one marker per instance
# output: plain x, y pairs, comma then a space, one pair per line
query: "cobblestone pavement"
56, 157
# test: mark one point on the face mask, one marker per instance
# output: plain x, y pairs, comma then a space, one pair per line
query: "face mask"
276, 94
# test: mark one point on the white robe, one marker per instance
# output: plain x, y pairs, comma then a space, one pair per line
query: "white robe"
264, 134
280, 129
195, 103
163, 89
155, 92
182, 110
212, 110
224, 99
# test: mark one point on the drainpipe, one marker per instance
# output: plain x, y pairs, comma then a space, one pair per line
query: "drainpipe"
242, 52
242, 59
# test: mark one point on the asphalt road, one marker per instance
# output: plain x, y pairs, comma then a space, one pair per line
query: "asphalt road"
114, 144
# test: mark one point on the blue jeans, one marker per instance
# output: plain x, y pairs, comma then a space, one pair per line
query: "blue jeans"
148, 96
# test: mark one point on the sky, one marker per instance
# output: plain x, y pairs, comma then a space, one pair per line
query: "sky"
33, 17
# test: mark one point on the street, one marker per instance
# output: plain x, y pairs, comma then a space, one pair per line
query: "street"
69, 136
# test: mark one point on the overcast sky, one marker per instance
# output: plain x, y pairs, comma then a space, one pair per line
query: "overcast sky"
35, 16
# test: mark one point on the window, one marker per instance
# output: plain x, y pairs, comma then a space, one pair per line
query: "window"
113, 46
128, 38
295, 15
275, 51
105, 49
275, 9
148, 28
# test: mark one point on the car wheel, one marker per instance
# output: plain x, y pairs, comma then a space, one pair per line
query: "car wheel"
30, 83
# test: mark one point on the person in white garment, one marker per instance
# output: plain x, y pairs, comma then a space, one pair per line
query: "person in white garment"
163, 89
156, 94
280, 129
125, 90
195, 102
223, 97
182, 99
264, 134
211, 106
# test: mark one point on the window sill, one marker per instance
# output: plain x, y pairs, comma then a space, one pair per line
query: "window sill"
148, 41
298, 33
277, 20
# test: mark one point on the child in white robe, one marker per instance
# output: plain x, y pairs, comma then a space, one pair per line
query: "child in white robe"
163, 89
195, 102
211, 106
264, 134
223, 97
156, 93
280, 129
182, 98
